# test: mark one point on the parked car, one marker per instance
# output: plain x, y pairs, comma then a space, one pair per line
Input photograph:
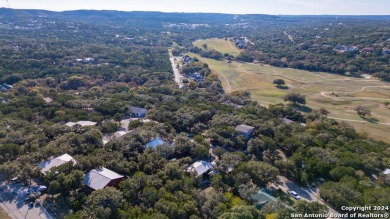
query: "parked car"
294, 195
30, 198
41, 188
15, 180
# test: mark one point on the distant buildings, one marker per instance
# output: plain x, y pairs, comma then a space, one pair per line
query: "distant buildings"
385, 51
86, 60
196, 76
240, 42
82, 123
186, 59
245, 130
137, 111
289, 121
200, 168
368, 49
102, 178
342, 48
47, 165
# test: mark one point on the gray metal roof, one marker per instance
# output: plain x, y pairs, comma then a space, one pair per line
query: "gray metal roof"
47, 165
244, 128
200, 167
135, 109
100, 178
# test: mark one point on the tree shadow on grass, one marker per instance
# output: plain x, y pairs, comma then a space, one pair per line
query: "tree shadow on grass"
303, 108
371, 120
282, 87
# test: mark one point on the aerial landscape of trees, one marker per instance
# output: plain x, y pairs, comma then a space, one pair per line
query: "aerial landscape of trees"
63, 70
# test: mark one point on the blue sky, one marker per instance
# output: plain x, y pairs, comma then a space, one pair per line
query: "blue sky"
293, 7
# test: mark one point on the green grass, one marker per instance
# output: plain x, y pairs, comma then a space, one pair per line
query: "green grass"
220, 45
3, 214
258, 80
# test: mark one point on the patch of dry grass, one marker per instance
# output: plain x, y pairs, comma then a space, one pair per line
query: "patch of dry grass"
347, 92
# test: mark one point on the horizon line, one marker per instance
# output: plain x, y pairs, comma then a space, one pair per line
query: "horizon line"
187, 12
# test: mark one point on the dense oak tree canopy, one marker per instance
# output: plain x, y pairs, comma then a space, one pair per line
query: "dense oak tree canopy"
93, 66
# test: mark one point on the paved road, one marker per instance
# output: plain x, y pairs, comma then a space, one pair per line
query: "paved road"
307, 194
178, 76
11, 200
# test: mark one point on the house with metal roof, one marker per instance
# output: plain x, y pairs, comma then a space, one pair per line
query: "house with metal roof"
137, 111
6, 87
82, 123
101, 178
245, 130
47, 165
200, 167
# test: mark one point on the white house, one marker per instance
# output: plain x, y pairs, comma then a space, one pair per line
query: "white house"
47, 165
200, 167
82, 123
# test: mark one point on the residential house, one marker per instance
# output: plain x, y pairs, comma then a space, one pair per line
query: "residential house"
245, 130
109, 137
345, 48
368, 49
47, 165
200, 168
287, 121
385, 51
196, 76
187, 59
101, 178
154, 143
6, 87
82, 123
262, 198
137, 111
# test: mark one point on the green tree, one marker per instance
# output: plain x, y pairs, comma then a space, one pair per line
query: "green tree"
104, 203
363, 111
339, 172
241, 212
303, 207
295, 98
279, 82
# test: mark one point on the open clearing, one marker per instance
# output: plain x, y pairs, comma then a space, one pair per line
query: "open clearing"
337, 93
220, 45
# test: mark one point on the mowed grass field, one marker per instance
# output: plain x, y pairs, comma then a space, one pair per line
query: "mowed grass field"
337, 93
220, 45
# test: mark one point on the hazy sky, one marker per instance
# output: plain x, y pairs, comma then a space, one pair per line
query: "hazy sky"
340, 7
